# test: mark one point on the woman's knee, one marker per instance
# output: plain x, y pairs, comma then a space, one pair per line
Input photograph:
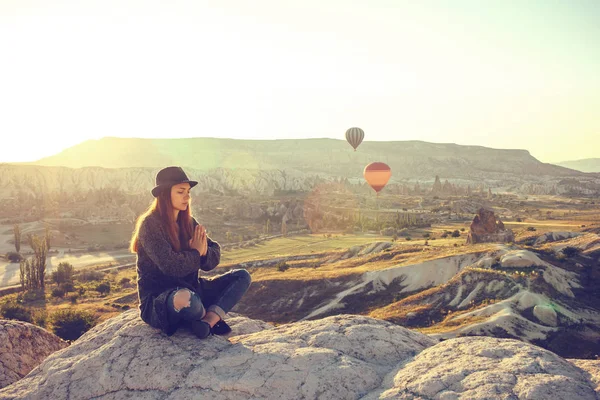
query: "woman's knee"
243, 275
188, 304
181, 299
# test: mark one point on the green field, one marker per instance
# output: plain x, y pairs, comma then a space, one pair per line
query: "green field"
295, 245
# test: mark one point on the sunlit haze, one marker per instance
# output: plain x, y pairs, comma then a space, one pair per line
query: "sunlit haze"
502, 74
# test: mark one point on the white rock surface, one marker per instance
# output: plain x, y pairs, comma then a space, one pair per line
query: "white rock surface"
413, 277
545, 314
555, 236
339, 357
520, 259
592, 367
486, 368
563, 281
23, 346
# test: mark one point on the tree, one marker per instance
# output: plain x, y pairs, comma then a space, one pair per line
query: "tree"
103, 288
64, 273
17, 232
437, 185
47, 237
23, 273
33, 271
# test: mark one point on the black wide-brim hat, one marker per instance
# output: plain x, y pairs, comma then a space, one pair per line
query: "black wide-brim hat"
167, 177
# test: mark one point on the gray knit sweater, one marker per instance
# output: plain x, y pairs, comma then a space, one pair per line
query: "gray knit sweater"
161, 269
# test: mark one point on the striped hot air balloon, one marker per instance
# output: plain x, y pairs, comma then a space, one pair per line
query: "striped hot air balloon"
377, 175
355, 136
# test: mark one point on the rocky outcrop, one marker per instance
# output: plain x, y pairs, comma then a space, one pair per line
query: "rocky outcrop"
487, 368
23, 346
592, 367
339, 357
545, 314
487, 228
555, 236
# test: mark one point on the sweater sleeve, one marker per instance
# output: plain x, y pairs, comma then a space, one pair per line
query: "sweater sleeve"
159, 249
212, 258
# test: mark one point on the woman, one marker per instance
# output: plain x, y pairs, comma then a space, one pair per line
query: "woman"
171, 248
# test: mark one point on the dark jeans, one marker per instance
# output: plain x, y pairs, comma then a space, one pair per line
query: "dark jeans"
218, 295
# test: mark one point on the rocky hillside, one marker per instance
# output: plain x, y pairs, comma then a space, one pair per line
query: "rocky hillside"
40, 179
407, 159
23, 347
585, 165
340, 357
538, 295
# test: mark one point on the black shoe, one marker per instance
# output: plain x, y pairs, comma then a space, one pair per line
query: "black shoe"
220, 328
201, 329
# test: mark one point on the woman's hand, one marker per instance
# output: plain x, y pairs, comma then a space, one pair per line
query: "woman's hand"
198, 240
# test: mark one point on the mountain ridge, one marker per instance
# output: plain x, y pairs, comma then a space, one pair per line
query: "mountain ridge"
328, 156
583, 165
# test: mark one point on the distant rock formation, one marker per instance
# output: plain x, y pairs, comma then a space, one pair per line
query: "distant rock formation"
339, 357
487, 228
23, 347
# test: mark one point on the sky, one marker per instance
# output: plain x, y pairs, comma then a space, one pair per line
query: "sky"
501, 73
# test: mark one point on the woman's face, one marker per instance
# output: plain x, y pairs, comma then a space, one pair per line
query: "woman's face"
180, 196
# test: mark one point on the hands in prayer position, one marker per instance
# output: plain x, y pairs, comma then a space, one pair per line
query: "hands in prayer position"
198, 240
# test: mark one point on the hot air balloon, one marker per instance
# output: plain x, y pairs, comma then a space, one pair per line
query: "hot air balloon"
355, 136
377, 175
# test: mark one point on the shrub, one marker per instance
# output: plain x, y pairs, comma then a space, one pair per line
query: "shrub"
408, 238
282, 266
40, 318
64, 273
33, 295
455, 244
456, 233
68, 287
462, 229
58, 292
89, 276
387, 231
395, 237
531, 228
519, 219
444, 235
426, 235
570, 251
103, 288
16, 311
73, 298
124, 281
13, 257
71, 324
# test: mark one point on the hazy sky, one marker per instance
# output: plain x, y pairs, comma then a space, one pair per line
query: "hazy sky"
502, 74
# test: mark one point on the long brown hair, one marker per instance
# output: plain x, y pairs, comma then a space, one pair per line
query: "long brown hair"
164, 208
